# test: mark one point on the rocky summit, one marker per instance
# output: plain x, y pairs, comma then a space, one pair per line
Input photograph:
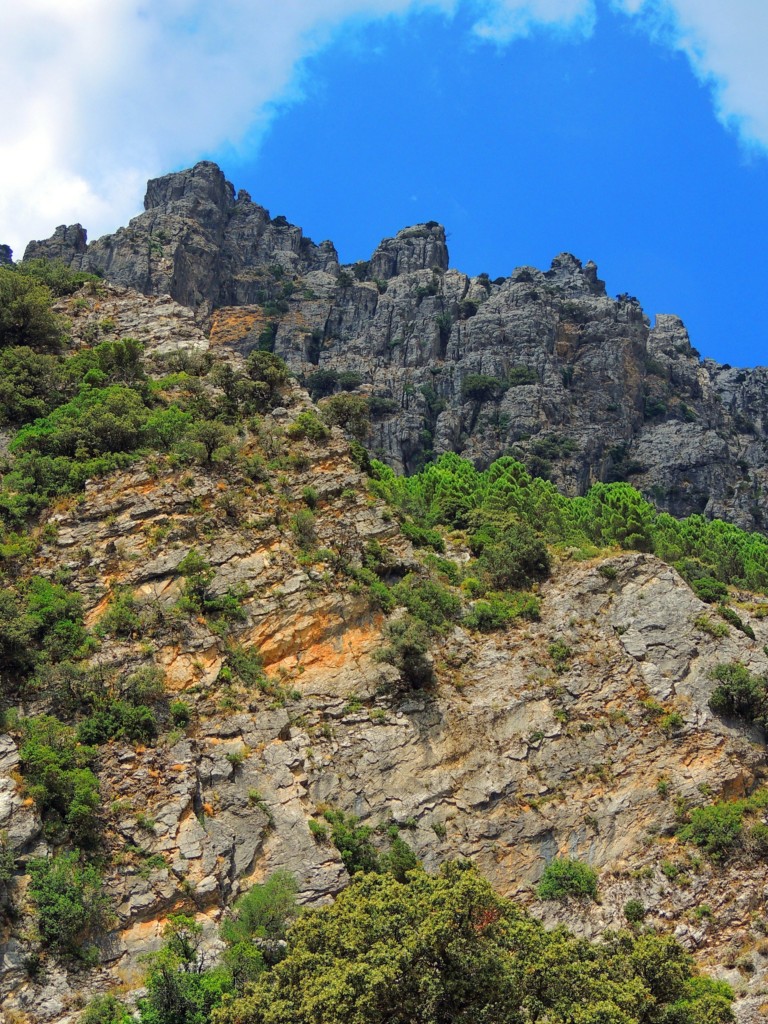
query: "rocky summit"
541, 364
236, 646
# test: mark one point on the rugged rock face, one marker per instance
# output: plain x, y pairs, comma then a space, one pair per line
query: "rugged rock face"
511, 758
583, 389
195, 241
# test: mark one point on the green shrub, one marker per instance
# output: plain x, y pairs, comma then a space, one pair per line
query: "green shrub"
735, 620
58, 777
520, 375
56, 275
634, 911
353, 841
318, 830
449, 949
265, 911
399, 860
179, 990
213, 438
303, 527
181, 713
121, 618
740, 694
564, 877
117, 720
31, 385
70, 901
428, 601
97, 421
106, 1009
308, 425
321, 383
408, 651
515, 561
716, 829
672, 721
560, 653
478, 387
701, 581
246, 663
422, 536
709, 626
270, 374
26, 313
497, 611
7, 871
349, 380
144, 686
310, 496
198, 575
350, 412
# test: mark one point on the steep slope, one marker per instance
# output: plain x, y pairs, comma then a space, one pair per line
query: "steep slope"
587, 733
540, 364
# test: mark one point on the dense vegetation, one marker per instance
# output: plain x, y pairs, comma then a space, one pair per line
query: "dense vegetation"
399, 944
439, 950
489, 504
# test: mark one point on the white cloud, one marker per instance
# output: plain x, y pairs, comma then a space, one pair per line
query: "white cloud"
726, 44
510, 19
102, 94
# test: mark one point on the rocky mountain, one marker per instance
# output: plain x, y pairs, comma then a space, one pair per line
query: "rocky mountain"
541, 364
300, 646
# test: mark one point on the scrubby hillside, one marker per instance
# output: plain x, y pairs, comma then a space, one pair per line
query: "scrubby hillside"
232, 645
541, 364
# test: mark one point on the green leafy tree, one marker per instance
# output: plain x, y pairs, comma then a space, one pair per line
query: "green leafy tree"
56, 275
213, 438
26, 314
106, 1009
516, 560
740, 694
353, 841
179, 989
58, 776
270, 374
564, 877
265, 911
350, 412
408, 651
31, 385
96, 421
70, 901
448, 950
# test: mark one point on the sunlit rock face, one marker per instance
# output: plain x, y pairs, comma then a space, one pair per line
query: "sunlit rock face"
579, 385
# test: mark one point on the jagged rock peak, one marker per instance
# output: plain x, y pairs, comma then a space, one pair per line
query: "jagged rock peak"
568, 273
419, 247
68, 243
182, 192
195, 242
6, 254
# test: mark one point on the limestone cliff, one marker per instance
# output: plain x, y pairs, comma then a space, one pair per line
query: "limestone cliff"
510, 758
579, 384
585, 733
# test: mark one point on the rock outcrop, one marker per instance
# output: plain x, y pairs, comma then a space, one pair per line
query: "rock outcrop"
196, 241
511, 758
581, 387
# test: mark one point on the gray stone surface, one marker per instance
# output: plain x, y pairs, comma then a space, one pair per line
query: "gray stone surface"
606, 397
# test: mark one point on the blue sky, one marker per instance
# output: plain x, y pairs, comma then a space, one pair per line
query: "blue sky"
606, 147
631, 132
